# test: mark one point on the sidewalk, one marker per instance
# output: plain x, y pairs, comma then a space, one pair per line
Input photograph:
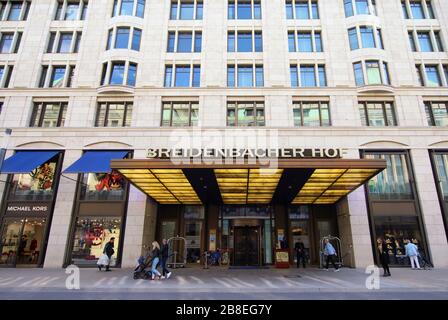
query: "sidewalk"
222, 283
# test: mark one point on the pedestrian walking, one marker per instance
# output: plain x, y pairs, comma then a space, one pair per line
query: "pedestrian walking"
412, 253
301, 254
164, 251
109, 252
384, 256
155, 254
330, 253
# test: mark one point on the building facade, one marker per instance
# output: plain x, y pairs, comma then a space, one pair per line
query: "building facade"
109, 79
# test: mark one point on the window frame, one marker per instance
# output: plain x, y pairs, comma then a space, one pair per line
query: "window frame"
298, 105
107, 111
429, 111
39, 115
255, 108
365, 104
176, 9
171, 104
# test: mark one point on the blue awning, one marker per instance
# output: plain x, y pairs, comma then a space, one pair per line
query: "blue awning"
26, 161
95, 161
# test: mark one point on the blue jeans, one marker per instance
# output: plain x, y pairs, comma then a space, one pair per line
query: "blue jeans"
154, 270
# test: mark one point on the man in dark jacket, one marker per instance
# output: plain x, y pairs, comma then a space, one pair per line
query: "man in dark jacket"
301, 254
164, 251
109, 251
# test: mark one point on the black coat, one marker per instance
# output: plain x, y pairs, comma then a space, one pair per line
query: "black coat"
155, 253
109, 249
384, 255
164, 251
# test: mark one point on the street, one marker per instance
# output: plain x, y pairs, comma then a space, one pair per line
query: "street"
222, 283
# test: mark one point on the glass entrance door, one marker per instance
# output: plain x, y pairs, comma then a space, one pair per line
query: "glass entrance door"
246, 246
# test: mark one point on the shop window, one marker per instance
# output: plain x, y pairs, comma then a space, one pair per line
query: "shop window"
397, 231
37, 185
394, 182
90, 237
103, 186
22, 241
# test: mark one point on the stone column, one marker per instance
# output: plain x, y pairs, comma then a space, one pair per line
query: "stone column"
430, 207
353, 222
62, 215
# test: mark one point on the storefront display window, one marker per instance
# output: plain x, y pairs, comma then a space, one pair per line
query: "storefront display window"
396, 231
90, 237
103, 186
35, 185
22, 240
393, 183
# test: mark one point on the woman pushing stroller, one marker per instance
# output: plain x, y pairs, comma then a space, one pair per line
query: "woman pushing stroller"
155, 256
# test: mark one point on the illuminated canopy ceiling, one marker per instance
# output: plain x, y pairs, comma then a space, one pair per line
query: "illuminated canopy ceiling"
297, 181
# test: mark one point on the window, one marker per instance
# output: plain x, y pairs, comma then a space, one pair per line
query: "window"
64, 42
433, 78
119, 73
182, 75
441, 164
244, 9
417, 9
134, 8
48, 114
437, 113
245, 76
244, 41
5, 75
377, 114
186, 10
14, 10
10, 42
307, 41
180, 114
311, 114
365, 37
56, 76
427, 41
245, 114
308, 76
114, 114
71, 10
371, 72
394, 182
302, 9
358, 7
184, 41
124, 38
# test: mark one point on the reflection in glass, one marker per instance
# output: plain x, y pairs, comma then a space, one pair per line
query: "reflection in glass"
103, 186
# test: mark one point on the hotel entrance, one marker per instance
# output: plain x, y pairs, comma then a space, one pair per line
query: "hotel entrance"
246, 246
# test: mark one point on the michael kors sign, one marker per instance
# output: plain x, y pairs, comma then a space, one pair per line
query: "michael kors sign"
329, 153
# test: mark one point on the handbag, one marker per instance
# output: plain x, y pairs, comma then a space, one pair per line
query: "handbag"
103, 260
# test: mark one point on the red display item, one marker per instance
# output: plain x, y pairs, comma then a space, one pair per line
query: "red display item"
282, 258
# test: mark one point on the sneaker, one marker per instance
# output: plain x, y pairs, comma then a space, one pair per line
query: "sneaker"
108, 270
153, 277
168, 275
337, 270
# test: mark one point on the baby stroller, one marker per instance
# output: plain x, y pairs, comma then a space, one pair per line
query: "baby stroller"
142, 271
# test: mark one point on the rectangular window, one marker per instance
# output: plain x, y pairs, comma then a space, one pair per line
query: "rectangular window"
386, 77
197, 42
322, 76
180, 114
6, 41
417, 9
348, 7
291, 41
173, 11
367, 37
168, 76
132, 74
433, 76
373, 72
437, 113
78, 36
244, 42
122, 37
302, 10
196, 76
117, 73
245, 76
311, 114
258, 42
199, 10
244, 9
307, 76
353, 38
424, 40
186, 11
305, 41
140, 12
71, 12
65, 42
14, 11
318, 42
48, 115
184, 42
294, 76
438, 41
114, 114
231, 76
377, 114
43, 76
359, 74
245, 114
412, 41
259, 76
231, 41
57, 77
289, 10
136, 38
394, 182
362, 7
182, 76
171, 41
127, 7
